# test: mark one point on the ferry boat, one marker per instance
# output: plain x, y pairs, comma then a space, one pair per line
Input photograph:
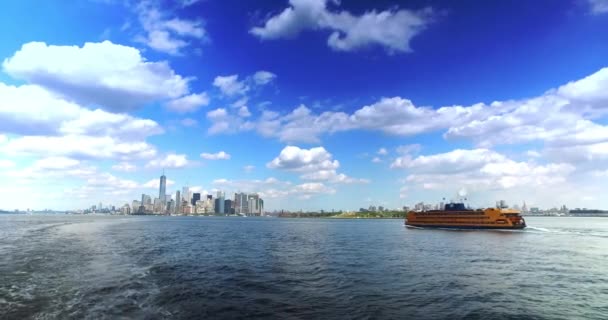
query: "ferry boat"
457, 216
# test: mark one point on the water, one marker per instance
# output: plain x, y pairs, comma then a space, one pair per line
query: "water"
96, 267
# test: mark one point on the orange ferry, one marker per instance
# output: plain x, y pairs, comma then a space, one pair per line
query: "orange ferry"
457, 216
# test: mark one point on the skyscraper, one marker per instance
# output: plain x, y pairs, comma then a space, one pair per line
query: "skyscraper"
220, 206
228, 206
163, 191
195, 197
241, 206
178, 203
186, 194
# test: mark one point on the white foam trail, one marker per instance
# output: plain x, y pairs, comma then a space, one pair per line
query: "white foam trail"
538, 229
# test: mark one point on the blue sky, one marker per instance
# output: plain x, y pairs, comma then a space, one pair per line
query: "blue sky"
314, 104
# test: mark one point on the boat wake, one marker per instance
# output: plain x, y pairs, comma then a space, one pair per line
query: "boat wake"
538, 229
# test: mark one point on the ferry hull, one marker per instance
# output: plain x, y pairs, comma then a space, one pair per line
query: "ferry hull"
438, 226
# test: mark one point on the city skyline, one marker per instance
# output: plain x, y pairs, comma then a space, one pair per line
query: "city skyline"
312, 104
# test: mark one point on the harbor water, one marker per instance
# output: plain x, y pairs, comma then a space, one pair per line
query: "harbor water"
144, 267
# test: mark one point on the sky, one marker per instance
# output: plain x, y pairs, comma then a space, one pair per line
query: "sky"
313, 104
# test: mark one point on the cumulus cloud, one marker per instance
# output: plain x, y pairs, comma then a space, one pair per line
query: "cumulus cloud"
392, 29
171, 160
5, 163
382, 151
313, 164
598, 6
119, 80
79, 146
394, 116
244, 112
230, 85
165, 34
221, 155
52, 163
222, 122
124, 166
189, 103
263, 77
479, 168
293, 158
561, 119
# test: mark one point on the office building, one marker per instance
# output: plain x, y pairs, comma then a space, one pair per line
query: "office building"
195, 197
228, 207
220, 203
162, 192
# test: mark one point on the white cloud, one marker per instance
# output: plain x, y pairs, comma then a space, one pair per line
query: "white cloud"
221, 155
455, 161
263, 77
392, 29
408, 149
382, 151
307, 190
479, 168
249, 168
167, 35
244, 112
598, 6
395, 116
230, 85
293, 158
376, 160
52, 163
169, 161
189, 103
222, 122
79, 146
313, 164
120, 79
124, 166
5, 163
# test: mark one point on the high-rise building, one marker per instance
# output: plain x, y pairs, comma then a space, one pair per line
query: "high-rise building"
195, 197
228, 206
240, 203
162, 192
186, 194
216, 206
253, 204
219, 208
261, 206
178, 202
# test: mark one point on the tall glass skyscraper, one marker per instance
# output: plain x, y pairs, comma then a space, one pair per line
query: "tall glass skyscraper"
163, 191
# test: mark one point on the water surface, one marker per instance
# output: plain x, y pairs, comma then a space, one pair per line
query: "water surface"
99, 267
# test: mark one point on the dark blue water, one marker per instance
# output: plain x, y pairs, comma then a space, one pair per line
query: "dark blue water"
74, 267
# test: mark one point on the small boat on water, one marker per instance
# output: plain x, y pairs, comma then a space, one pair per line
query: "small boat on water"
457, 216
